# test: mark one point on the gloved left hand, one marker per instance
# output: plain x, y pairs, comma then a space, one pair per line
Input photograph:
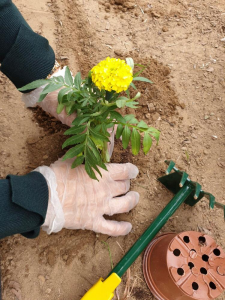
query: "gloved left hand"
50, 103
78, 202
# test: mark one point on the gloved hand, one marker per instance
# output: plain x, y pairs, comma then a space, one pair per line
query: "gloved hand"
50, 103
78, 202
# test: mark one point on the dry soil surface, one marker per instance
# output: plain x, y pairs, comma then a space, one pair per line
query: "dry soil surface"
182, 42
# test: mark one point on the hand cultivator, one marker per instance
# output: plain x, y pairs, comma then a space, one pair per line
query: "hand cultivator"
186, 191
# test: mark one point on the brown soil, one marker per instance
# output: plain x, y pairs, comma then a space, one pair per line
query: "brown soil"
182, 42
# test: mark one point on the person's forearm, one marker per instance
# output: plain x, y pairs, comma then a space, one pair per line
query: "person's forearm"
25, 56
23, 204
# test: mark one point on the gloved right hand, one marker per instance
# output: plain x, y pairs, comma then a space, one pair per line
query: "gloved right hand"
79, 202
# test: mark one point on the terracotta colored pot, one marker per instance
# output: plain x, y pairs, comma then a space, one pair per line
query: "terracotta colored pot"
184, 266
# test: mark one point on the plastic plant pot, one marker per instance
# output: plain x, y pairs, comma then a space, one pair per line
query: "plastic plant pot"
184, 266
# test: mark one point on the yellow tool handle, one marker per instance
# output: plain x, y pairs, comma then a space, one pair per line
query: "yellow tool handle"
103, 289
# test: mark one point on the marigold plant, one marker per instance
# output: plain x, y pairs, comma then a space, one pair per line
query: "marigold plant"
96, 100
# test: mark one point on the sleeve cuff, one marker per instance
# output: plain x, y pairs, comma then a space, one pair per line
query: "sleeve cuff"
30, 58
30, 192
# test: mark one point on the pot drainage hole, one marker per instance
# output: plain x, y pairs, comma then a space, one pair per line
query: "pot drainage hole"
205, 257
195, 286
212, 285
202, 240
186, 239
191, 265
180, 271
216, 252
176, 252
203, 271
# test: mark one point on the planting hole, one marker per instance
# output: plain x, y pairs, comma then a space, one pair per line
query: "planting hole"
216, 252
180, 271
176, 252
205, 257
195, 286
186, 239
212, 285
203, 271
202, 240
191, 265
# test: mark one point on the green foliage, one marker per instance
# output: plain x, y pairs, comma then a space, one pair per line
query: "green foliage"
96, 112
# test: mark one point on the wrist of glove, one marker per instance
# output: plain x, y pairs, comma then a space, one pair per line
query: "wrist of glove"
78, 202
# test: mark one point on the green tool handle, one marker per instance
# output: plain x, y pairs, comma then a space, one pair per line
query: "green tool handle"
152, 230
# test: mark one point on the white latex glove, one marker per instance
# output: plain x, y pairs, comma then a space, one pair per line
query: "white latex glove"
79, 202
50, 103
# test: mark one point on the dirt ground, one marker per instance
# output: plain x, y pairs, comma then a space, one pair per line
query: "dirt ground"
182, 42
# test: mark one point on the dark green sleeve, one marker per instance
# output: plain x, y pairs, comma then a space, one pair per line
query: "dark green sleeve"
25, 56
23, 204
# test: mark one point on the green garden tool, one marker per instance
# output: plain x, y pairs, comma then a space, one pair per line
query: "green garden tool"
186, 191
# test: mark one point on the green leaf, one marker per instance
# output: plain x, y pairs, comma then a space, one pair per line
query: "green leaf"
98, 135
89, 170
60, 108
142, 79
84, 120
77, 162
126, 136
77, 80
131, 119
81, 119
147, 143
138, 95
140, 71
51, 87
128, 93
93, 148
142, 124
59, 79
121, 101
135, 141
76, 139
130, 62
61, 93
132, 104
70, 95
91, 159
68, 77
133, 86
119, 131
117, 116
155, 133
68, 109
42, 97
75, 130
33, 85
96, 153
74, 151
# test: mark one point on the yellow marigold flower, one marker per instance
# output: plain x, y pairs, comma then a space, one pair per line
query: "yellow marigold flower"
112, 74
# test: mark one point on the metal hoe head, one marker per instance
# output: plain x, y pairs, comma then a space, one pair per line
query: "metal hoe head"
176, 180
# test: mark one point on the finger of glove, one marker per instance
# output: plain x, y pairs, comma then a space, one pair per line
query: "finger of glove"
122, 171
31, 99
122, 204
118, 188
113, 228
